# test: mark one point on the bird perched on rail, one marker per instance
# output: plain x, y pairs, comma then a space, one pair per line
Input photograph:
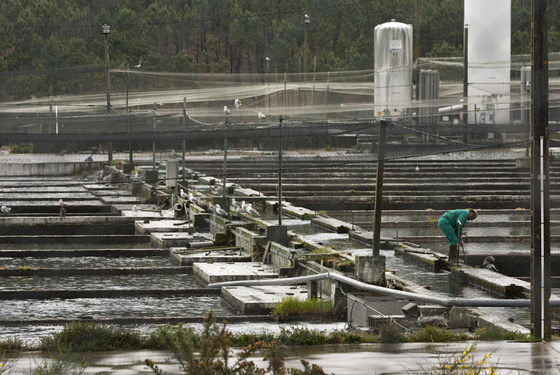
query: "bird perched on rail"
183, 195
238, 207
235, 203
193, 199
220, 211
226, 110
250, 210
5, 209
237, 103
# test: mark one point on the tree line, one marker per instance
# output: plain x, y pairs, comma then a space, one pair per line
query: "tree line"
61, 41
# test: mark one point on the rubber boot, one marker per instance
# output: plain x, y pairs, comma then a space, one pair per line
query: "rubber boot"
453, 253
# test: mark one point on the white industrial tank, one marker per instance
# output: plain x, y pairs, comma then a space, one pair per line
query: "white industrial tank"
489, 60
393, 63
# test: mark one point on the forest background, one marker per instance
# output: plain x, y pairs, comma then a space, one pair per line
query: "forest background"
56, 47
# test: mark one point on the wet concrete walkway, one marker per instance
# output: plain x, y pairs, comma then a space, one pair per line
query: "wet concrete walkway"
507, 357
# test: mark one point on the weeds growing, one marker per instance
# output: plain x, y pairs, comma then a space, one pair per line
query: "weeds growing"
213, 353
81, 336
292, 306
61, 362
465, 363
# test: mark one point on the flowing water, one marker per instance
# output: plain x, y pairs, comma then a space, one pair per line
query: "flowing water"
198, 306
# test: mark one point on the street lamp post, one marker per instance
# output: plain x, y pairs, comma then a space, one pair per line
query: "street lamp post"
106, 29
154, 141
307, 22
130, 158
267, 80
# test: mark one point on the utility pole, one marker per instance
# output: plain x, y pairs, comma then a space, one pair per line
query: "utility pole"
280, 170
379, 187
307, 22
224, 189
130, 158
184, 132
417, 41
106, 29
466, 82
540, 199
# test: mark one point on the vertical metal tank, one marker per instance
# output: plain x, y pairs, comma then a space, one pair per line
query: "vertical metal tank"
489, 55
428, 95
393, 59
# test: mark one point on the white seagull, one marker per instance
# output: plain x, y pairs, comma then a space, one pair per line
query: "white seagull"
226, 110
261, 115
237, 207
220, 211
237, 103
250, 210
139, 64
184, 195
192, 198
417, 169
5, 209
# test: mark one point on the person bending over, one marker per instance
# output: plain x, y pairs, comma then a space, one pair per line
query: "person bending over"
451, 224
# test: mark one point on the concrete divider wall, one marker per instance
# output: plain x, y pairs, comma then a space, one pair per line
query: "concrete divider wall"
72, 225
48, 169
217, 223
249, 240
280, 256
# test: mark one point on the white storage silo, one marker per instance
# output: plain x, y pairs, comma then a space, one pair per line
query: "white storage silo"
393, 63
489, 60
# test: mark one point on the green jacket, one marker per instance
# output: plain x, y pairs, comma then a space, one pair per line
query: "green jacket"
457, 215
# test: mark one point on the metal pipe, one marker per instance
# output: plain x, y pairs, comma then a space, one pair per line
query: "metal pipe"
444, 301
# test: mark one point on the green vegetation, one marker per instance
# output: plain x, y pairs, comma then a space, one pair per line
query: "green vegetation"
21, 149
292, 306
436, 334
62, 362
464, 363
82, 336
213, 354
67, 48
12, 345
495, 334
211, 349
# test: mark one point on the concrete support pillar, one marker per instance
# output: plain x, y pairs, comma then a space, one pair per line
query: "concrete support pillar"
171, 173
371, 269
151, 176
312, 289
339, 292
278, 234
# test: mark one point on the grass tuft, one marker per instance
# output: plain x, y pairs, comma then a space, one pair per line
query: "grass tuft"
292, 306
80, 336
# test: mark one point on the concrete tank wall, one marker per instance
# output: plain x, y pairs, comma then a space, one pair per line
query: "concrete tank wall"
393, 59
489, 55
48, 169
